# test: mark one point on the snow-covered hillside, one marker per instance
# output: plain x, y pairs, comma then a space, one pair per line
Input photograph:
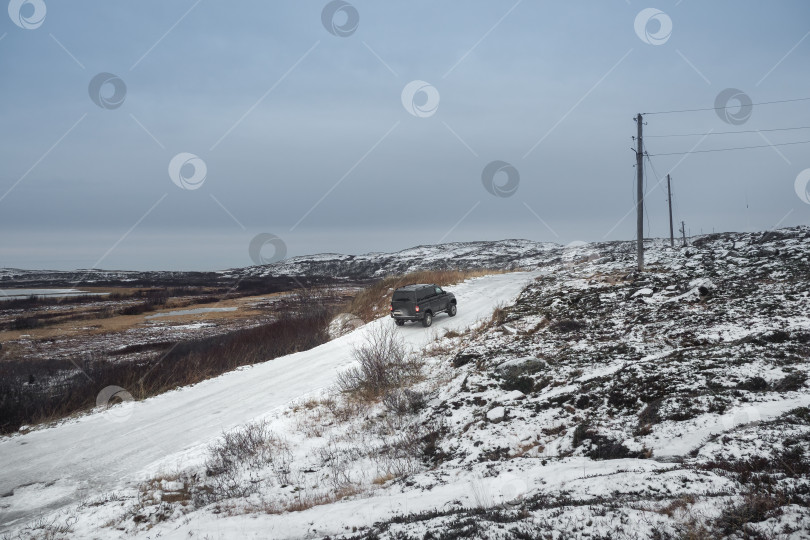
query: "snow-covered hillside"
49, 468
597, 403
455, 255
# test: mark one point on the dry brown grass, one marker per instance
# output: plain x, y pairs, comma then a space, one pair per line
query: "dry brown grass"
305, 501
523, 449
498, 316
121, 323
373, 301
680, 504
153, 490
382, 479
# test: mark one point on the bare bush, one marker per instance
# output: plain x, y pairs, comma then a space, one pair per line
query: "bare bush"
344, 408
403, 402
281, 461
47, 528
338, 460
383, 364
234, 464
402, 453
754, 507
240, 448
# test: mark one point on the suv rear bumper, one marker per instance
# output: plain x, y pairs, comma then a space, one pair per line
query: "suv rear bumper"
400, 316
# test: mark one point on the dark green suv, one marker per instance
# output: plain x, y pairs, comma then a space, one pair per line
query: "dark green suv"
420, 303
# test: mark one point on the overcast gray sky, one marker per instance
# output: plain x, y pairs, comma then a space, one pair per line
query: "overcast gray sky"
306, 123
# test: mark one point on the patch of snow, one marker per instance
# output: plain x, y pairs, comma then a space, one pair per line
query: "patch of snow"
496, 414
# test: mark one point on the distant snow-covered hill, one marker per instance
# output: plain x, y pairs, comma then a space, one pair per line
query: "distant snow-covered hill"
506, 254
456, 255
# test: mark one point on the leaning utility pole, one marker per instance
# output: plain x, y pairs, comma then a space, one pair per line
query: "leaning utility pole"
640, 196
669, 199
683, 232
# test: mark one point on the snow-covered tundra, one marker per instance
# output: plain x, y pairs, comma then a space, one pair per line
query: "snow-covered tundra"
593, 402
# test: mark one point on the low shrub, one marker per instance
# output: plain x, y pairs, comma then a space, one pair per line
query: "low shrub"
791, 382
25, 323
565, 326
515, 380
754, 384
601, 446
383, 364
402, 402
237, 463
753, 508
246, 447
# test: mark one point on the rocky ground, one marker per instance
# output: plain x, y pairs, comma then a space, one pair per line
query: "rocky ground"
695, 371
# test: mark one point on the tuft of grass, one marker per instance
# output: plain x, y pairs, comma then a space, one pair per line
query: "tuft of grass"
498, 316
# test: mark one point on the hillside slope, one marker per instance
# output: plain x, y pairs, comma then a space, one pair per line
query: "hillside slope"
119, 447
600, 403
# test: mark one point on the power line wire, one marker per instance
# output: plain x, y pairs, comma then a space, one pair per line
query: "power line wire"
729, 106
729, 149
728, 132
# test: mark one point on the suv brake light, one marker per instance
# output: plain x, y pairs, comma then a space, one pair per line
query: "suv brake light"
391, 307
417, 309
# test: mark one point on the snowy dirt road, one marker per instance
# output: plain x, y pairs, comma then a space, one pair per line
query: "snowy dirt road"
47, 469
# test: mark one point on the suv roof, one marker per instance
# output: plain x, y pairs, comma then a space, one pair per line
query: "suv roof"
415, 287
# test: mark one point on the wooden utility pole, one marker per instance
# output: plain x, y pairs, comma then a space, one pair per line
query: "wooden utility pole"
669, 199
683, 233
640, 196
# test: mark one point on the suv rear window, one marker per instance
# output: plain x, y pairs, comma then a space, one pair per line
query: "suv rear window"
402, 295
426, 293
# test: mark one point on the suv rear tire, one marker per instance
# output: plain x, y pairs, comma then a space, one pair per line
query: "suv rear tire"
399, 322
451, 310
427, 320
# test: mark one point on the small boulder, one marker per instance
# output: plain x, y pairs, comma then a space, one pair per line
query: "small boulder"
496, 414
